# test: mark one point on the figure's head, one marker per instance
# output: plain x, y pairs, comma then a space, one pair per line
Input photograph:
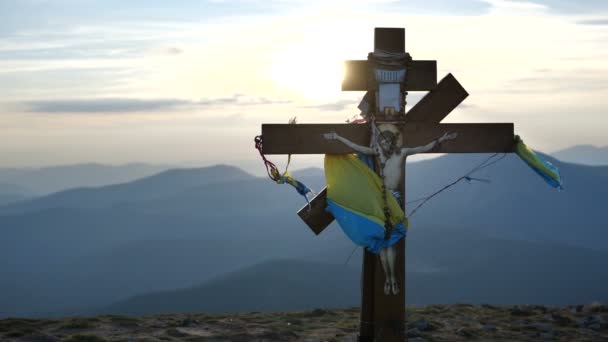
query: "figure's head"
386, 139
389, 138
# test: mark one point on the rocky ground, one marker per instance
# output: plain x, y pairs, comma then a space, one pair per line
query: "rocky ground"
429, 323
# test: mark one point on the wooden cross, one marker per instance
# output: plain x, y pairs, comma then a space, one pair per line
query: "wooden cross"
383, 316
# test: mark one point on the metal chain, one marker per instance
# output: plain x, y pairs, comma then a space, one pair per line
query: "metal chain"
387, 214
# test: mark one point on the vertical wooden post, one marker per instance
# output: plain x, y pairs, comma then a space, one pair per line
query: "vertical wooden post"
366, 324
388, 311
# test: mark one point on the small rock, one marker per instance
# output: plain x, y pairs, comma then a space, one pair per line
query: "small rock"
489, 327
544, 327
188, 322
413, 332
595, 322
490, 306
318, 312
416, 339
595, 308
420, 324
549, 335
522, 311
40, 338
466, 332
561, 320
576, 308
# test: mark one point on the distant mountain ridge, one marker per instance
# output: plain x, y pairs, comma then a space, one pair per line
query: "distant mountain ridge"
583, 154
155, 186
87, 248
46, 180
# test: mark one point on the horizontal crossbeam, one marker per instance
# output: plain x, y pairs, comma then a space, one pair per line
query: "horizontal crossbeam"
308, 138
421, 76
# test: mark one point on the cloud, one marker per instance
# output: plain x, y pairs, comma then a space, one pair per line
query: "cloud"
454, 7
599, 22
467, 106
571, 7
332, 106
133, 105
23, 14
173, 51
578, 81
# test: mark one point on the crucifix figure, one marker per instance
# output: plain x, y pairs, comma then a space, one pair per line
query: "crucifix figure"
387, 146
387, 76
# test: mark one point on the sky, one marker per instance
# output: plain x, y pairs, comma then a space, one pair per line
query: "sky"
191, 81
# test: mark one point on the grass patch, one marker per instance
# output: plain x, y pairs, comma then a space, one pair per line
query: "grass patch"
124, 321
10, 324
84, 338
79, 324
173, 332
348, 325
21, 331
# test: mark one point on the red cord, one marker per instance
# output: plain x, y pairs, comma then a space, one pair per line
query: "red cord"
271, 168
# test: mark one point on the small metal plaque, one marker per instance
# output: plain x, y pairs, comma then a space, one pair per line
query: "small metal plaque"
390, 76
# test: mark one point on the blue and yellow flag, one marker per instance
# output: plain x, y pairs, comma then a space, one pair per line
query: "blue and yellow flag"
543, 168
355, 198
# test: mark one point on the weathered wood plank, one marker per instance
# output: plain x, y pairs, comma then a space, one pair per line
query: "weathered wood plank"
421, 76
389, 39
356, 76
472, 137
308, 138
438, 103
316, 217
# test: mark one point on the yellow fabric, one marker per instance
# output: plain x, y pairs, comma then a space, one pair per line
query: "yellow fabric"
355, 187
529, 156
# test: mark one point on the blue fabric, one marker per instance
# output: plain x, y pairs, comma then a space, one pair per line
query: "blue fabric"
549, 179
368, 160
543, 168
364, 232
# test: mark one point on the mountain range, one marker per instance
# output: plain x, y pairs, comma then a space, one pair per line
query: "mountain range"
46, 180
195, 234
583, 154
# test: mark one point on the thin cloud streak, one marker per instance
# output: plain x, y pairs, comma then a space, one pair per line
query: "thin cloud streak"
134, 105
332, 106
596, 22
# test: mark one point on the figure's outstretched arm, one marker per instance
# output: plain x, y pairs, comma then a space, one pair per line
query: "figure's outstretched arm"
422, 149
358, 148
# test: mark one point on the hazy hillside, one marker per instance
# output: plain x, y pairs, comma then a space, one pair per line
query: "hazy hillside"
12, 193
478, 270
46, 180
86, 248
583, 154
271, 286
157, 186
